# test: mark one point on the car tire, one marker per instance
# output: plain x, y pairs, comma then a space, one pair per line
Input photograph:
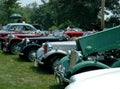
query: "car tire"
53, 61
13, 48
30, 54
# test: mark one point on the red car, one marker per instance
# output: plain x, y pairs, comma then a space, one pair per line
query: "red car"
74, 32
20, 30
10, 42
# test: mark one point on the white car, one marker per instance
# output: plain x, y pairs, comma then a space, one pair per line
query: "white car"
97, 79
51, 52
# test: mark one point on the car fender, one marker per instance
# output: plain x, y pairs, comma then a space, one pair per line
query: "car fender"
53, 52
30, 46
86, 64
14, 40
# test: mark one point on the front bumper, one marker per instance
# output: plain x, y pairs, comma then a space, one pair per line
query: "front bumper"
38, 61
60, 76
40, 56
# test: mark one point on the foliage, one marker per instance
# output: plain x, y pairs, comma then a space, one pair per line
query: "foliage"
60, 13
53, 28
9, 7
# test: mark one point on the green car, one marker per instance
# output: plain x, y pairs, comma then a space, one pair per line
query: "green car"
95, 51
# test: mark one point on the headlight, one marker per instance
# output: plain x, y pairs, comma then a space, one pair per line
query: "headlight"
25, 41
40, 53
68, 52
61, 68
75, 56
72, 79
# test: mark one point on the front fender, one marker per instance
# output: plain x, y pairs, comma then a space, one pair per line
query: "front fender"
30, 46
15, 40
88, 64
52, 52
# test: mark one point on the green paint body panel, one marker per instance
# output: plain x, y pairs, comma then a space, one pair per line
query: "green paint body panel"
99, 41
65, 61
88, 64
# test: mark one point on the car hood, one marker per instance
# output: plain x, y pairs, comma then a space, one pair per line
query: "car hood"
62, 45
97, 79
48, 38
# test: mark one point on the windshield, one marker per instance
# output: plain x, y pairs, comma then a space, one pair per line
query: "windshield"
6, 27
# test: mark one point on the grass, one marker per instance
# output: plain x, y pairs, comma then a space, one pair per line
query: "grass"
16, 73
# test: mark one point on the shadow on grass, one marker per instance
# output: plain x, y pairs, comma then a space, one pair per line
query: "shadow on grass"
57, 87
20, 59
14, 57
39, 70
6, 53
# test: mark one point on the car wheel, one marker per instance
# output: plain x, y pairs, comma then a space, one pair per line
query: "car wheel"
30, 55
13, 48
54, 60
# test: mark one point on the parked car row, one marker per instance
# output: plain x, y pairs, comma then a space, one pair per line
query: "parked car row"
67, 58
14, 33
89, 54
28, 47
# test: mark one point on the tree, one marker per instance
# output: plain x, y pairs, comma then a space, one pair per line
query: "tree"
7, 8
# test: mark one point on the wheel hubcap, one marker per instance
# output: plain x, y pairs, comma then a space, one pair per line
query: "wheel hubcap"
32, 56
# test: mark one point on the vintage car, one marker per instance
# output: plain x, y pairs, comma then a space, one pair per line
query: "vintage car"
95, 51
17, 28
73, 32
28, 47
51, 52
11, 40
97, 79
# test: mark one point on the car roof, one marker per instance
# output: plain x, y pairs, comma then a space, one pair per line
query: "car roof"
18, 24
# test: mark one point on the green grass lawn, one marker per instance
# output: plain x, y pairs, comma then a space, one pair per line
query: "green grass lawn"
16, 73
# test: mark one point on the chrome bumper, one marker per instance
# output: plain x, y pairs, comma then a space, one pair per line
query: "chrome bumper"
59, 75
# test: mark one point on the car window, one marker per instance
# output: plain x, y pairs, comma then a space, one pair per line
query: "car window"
6, 27
20, 28
12, 28
28, 28
16, 28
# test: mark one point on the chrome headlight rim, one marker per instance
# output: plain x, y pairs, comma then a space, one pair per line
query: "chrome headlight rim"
72, 79
49, 46
25, 41
61, 69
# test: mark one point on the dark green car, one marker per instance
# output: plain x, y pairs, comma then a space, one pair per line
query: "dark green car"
95, 51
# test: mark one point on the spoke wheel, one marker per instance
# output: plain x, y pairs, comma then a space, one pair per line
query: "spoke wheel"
13, 48
32, 55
